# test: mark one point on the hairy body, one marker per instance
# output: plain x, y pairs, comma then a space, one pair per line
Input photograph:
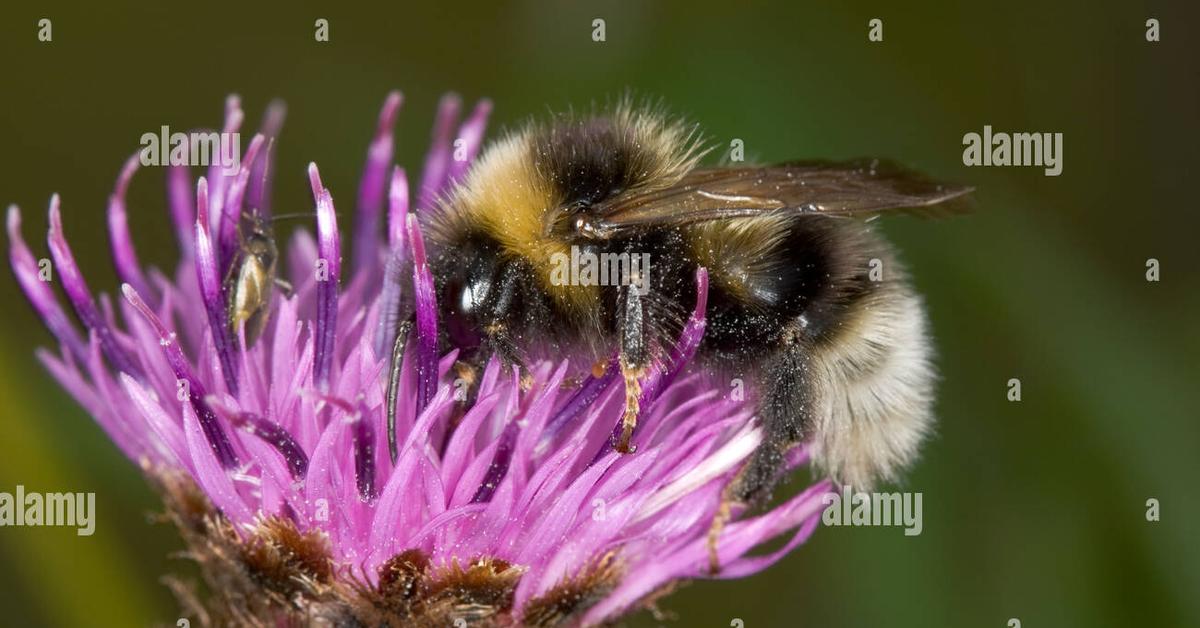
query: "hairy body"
805, 299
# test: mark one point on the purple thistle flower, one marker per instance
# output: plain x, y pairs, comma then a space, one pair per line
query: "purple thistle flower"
274, 460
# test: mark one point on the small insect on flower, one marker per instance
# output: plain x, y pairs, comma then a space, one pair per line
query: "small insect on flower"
251, 281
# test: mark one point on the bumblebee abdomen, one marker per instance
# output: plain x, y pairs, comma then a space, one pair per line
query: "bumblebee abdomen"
774, 273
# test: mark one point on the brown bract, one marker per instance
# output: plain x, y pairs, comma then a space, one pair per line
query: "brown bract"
275, 575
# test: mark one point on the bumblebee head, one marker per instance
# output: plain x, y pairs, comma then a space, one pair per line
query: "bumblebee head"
528, 197
472, 291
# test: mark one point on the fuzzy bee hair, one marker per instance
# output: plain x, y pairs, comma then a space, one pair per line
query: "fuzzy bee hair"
875, 388
843, 361
509, 201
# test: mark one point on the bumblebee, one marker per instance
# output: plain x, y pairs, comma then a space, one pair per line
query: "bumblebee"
805, 299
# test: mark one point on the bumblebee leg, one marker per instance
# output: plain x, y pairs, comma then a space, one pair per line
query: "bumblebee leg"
497, 334
466, 390
464, 384
394, 382
786, 415
722, 516
498, 342
635, 358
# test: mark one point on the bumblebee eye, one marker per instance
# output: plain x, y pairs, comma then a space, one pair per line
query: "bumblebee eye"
472, 295
466, 301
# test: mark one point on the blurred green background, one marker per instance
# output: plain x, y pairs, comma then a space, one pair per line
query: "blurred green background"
1033, 510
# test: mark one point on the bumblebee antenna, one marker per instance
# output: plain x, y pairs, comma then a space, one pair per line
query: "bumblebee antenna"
312, 214
275, 217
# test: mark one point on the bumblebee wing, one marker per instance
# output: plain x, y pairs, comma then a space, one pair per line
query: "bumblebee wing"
862, 187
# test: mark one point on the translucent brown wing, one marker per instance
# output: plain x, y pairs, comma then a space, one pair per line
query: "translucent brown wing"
850, 188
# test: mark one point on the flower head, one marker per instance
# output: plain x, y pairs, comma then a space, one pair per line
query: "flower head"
273, 454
